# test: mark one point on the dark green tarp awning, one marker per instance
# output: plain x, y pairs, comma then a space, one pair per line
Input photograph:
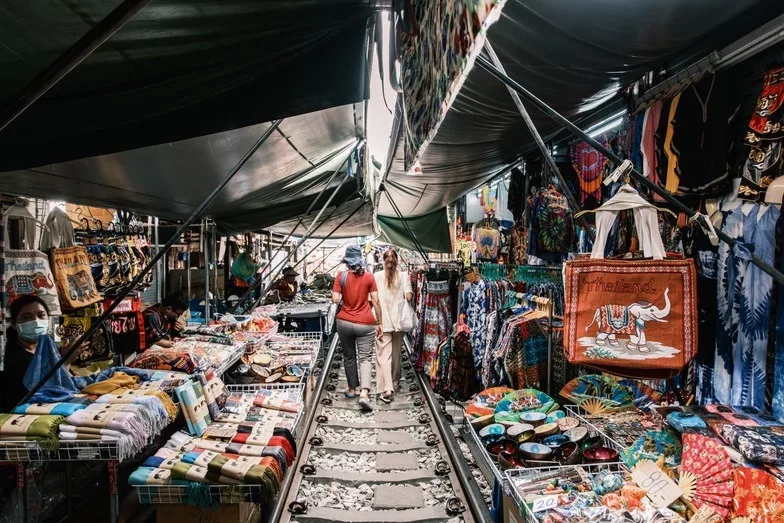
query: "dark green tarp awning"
431, 231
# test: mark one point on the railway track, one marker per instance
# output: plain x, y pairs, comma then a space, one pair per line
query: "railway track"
393, 464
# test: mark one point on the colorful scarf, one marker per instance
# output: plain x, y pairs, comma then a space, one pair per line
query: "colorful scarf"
55, 409
42, 429
194, 407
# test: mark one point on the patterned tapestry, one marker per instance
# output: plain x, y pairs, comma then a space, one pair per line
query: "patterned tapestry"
436, 57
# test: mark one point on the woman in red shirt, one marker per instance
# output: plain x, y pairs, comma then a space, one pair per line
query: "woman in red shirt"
356, 324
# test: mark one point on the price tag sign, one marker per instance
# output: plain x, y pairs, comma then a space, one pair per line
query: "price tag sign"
661, 490
545, 503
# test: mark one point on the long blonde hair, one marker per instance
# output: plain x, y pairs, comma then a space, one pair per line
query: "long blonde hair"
390, 268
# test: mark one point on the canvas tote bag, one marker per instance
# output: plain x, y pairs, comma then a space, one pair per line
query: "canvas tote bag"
634, 318
28, 272
74, 277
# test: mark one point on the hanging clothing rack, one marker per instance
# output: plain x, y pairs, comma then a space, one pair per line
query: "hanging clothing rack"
636, 175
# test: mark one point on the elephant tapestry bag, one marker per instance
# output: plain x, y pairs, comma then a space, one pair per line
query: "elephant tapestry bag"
74, 278
634, 318
28, 272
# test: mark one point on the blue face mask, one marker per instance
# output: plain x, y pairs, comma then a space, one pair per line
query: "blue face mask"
32, 330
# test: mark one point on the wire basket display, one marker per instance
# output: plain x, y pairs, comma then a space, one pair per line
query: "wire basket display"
17, 451
521, 477
613, 442
218, 494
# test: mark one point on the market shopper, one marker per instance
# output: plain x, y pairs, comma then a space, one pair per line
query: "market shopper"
394, 290
162, 321
30, 320
355, 290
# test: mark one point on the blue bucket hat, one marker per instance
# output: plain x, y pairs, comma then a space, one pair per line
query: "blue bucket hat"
353, 256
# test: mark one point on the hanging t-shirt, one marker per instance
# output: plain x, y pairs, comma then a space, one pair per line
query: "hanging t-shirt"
488, 242
356, 296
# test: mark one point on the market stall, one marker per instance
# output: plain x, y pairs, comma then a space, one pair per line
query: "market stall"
601, 336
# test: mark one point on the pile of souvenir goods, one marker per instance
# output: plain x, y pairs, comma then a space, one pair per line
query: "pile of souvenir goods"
231, 439
619, 451
283, 358
120, 406
191, 354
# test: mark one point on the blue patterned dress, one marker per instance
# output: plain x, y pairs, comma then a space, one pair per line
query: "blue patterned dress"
744, 306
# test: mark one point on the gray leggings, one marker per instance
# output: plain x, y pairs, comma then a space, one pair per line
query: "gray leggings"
357, 341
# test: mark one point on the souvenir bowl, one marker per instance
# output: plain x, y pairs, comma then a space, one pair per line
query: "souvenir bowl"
555, 441
517, 429
526, 435
509, 460
600, 455
481, 422
502, 444
577, 434
508, 424
567, 454
491, 438
548, 429
568, 423
554, 416
590, 442
533, 418
535, 451
495, 428
294, 370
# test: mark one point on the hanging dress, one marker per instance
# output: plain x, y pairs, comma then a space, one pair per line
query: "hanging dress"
745, 295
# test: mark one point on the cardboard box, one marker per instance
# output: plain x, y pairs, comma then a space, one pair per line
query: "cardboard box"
235, 513
512, 512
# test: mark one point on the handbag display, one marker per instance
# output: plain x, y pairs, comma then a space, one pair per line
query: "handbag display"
635, 318
73, 276
28, 272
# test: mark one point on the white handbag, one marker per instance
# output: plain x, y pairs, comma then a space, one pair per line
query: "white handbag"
406, 316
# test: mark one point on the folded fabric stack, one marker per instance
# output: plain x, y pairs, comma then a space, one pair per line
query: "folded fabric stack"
286, 400
194, 407
244, 444
31, 427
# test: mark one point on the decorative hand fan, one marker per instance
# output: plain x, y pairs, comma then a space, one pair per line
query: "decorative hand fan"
653, 445
643, 396
596, 393
525, 400
706, 474
759, 496
741, 520
485, 402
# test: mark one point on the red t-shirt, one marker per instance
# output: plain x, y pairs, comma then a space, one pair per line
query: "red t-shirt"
356, 295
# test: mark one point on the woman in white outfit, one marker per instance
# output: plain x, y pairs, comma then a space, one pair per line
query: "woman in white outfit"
394, 288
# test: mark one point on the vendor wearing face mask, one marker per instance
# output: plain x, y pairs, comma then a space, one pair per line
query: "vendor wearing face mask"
29, 321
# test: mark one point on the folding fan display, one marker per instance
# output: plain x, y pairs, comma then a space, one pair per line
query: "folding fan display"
525, 400
643, 395
759, 496
595, 394
706, 473
485, 402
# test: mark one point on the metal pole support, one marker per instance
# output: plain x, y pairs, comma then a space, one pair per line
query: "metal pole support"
72, 57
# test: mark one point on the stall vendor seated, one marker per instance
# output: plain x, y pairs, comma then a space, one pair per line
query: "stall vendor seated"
30, 320
162, 321
285, 288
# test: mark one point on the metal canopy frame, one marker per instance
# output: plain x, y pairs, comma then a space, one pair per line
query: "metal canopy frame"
195, 215
273, 272
488, 66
